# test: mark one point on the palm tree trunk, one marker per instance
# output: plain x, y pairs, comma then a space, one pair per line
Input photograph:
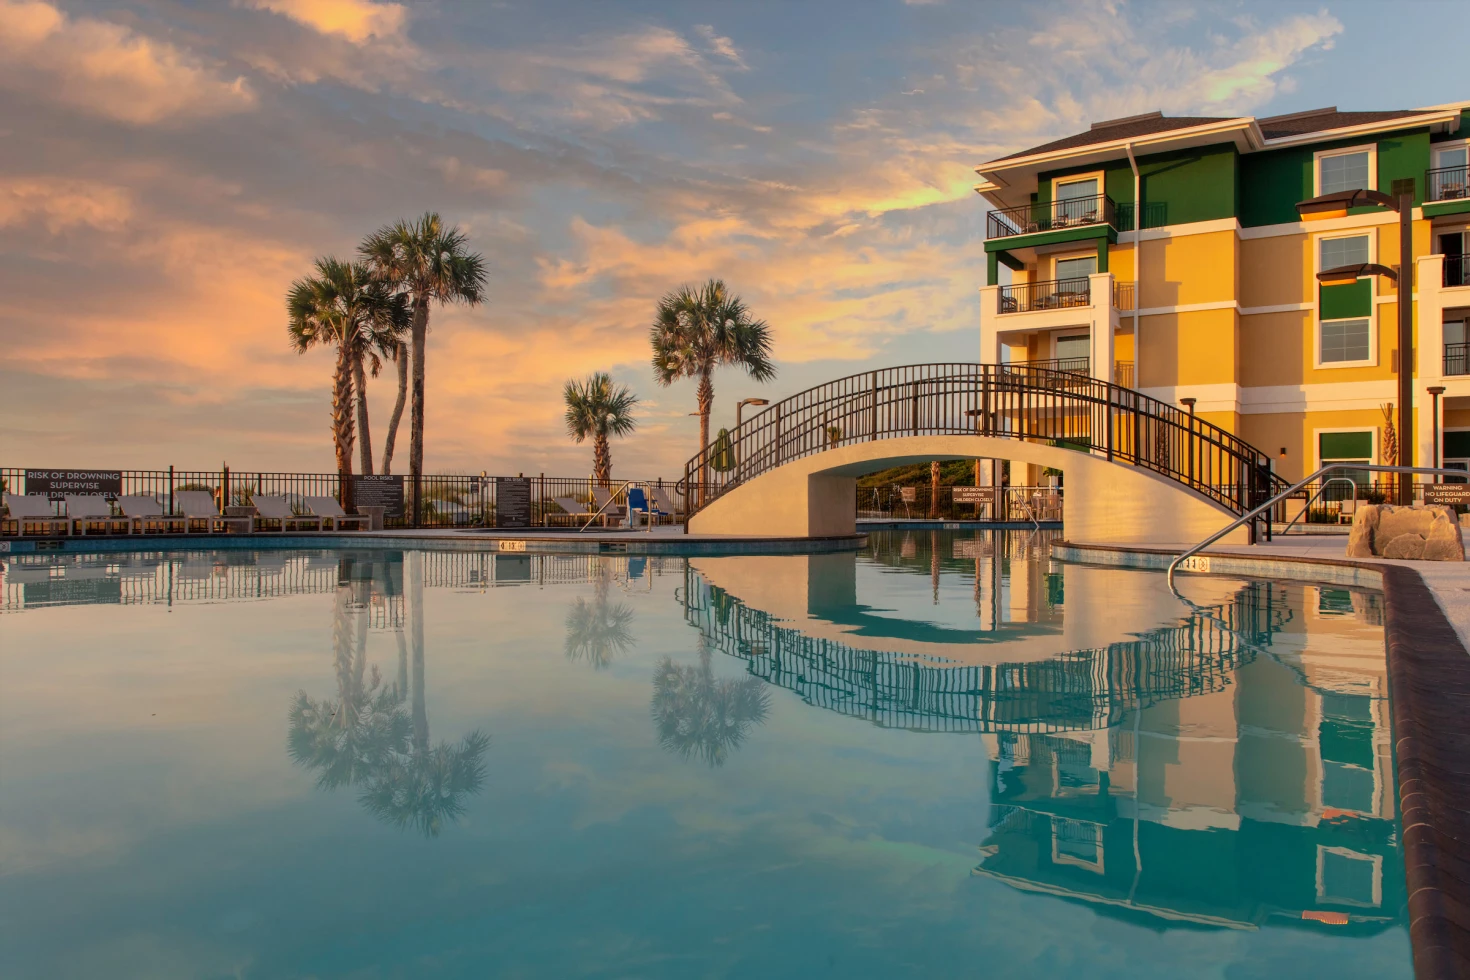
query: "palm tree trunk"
400, 358
705, 395
364, 438
342, 429
416, 409
602, 459
416, 615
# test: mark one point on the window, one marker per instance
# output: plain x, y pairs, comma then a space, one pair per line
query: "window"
1076, 268
1344, 172
1334, 253
1346, 447
1347, 877
1076, 201
1069, 348
1078, 843
1345, 341
1451, 156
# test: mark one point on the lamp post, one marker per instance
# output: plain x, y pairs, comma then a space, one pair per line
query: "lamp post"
1434, 452
1337, 205
740, 406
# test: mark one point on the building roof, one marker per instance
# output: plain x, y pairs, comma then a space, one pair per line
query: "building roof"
1119, 129
1320, 120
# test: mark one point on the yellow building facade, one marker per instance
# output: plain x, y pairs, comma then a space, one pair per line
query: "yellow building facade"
1166, 254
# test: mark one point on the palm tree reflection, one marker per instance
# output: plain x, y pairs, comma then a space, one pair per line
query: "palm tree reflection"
367, 739
598, 631
700, 716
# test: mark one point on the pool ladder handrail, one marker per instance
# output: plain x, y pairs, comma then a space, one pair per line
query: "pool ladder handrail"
611, 498
1273, 501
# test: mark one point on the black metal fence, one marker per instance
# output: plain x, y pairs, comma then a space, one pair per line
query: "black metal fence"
1051, 216
449, 500
998, 504
1456, 270
1008, 401
1447, 184
1049, 294
1456, 359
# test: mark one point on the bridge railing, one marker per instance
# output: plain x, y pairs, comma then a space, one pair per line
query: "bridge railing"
1017, 401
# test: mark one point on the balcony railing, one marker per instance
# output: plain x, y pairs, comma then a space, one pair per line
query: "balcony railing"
1123, 374
1052, 216
1052, 294
1457, 270
1456, 359
1123, 295
1446, 184
1072, 365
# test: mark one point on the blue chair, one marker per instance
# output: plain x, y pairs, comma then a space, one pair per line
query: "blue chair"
639, 503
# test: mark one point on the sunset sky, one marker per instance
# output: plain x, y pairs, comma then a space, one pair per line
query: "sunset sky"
167, 168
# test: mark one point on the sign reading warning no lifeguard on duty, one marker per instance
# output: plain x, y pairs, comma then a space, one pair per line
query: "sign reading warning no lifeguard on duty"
55, 484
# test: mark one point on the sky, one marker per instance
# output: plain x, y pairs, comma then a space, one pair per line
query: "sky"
168, 168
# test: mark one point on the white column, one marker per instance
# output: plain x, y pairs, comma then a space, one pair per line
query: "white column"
1428, 352
1101, 328
989, 322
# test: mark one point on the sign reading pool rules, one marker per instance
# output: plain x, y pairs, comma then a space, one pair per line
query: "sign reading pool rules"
56, 484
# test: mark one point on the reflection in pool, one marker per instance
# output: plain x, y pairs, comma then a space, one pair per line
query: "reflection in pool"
944, 755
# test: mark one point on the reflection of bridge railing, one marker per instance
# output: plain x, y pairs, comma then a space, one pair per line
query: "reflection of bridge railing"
1081, 691
32, 581
1056, 407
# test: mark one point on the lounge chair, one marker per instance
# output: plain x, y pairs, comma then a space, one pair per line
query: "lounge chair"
328, 509
147, 516
91, 514
664, 503
640, 503
32, 515
277, 511
603, 498
577, 511
1347, 510
200, 514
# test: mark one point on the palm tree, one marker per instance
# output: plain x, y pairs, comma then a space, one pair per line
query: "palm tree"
598, 631
382, 338
696, 330
342, 305
698, 715
400, 359
430, 263
598, 408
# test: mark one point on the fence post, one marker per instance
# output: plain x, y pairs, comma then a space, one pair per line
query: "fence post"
224, 488
1108, 421
170, 489
873, 409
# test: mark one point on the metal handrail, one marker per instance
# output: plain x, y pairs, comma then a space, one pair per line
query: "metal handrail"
1242, 519
1317, 493
1083, 413
611, 498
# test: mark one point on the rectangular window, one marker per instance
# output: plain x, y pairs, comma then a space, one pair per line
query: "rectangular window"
1454, 156
1337, 252
1077, 268
1074, 347
1344, 341
1347, 447
1347, 877
1078, 188
1343, 172
1076, 203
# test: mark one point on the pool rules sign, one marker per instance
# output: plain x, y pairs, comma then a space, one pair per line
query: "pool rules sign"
56, 484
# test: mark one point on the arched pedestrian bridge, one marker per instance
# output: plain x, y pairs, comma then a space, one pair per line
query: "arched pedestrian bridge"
1137, 470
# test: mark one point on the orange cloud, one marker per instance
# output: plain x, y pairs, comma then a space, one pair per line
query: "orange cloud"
359, 21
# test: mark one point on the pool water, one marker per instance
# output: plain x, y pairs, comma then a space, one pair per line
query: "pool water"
945, 755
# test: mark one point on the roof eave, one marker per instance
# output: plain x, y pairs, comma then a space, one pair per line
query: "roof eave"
986, 170
1431, 118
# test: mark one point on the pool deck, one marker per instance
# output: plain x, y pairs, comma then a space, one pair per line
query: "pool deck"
1426, 622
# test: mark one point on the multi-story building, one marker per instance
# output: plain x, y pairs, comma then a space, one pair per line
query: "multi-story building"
1166, 254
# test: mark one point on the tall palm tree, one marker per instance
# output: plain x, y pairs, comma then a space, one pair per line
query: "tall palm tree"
431, 263
340, 305
598, 408
701, 716
697, 329
380, 339
599, 631
400, 360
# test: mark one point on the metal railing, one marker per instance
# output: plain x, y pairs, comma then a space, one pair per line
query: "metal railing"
1051, 216
450, 500
1456, 271
997, 400
1124, 295
1071, 365
1123, 374
1447, 184
1049, 294
1283, 495
994, 504
1456, 359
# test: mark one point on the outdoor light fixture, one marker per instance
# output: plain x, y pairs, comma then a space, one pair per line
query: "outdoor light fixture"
740, 405
1337, 205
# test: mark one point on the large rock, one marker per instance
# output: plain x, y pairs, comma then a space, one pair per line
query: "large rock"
1414, 533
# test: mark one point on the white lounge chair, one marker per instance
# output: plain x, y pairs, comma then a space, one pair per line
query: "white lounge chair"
200, 514
32, 515
664, 503
602, 498
575, 510
91, 514
147, 516
328, 509
277, 511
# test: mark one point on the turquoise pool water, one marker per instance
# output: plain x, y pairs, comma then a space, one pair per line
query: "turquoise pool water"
943, 756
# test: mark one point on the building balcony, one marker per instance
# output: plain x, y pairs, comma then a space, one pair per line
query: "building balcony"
1447, 184
1057, 294
1050, 216
1456, 270
1456, 359
1122, 370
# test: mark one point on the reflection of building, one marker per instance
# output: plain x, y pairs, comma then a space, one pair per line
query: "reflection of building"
1266, 799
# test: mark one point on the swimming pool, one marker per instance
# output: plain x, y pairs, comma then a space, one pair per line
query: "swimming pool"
944, 755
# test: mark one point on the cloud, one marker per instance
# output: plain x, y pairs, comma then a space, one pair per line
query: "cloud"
60, 203
721, 46
359, 21
109, 70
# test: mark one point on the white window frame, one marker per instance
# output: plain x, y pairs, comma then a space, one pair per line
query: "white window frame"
1058, 857
1372, 430
1436, 148
1070, 334
1376, 862
1090, 253
1370, 148
1056, 182
1372, 316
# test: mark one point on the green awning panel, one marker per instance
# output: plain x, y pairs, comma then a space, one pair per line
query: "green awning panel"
1345, 302
1345, 445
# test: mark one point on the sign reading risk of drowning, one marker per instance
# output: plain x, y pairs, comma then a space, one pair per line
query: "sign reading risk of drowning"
56, 484
973, 495
1447, 493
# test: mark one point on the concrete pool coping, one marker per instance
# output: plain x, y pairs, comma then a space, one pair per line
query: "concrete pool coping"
1425, 619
